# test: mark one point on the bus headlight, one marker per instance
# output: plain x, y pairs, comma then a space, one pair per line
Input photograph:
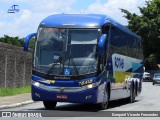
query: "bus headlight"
37, 84
90, 86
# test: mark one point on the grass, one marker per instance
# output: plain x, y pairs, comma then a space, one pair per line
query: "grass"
14, 91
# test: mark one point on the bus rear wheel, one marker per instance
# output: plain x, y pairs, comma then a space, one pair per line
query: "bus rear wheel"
131, 99
49, 105
103, 105
153, 83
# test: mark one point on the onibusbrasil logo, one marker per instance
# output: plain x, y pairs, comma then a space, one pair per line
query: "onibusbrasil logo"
14, 9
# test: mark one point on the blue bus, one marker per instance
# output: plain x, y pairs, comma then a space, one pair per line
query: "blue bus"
85, 58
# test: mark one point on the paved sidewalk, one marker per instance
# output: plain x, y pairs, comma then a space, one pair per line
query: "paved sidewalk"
15, 101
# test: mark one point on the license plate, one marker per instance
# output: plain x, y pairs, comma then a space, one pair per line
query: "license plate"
59, 96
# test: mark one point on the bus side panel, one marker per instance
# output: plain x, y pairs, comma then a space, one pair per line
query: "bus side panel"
125, 69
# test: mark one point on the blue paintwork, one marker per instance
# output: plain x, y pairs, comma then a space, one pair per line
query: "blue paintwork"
101, 44
77, 20
77, 97
62, 83
35, 78
26, 41
83, 21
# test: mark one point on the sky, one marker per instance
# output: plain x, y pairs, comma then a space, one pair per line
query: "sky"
32, 12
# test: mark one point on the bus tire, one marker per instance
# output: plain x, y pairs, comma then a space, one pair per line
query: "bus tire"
131, 98
49, 105
136, 89
153, 82
103, 105
132, 93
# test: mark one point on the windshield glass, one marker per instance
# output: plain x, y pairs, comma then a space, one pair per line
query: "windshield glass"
66, 51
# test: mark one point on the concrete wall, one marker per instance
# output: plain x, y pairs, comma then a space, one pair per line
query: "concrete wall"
15, 66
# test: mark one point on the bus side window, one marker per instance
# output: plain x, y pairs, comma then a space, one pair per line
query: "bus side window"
118, 42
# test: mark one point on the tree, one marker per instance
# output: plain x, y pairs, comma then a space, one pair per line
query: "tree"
16, 41
147, 25
32, 43
12, 40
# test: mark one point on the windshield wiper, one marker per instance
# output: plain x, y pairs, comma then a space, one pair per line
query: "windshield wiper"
74, 65
59, 61
54, 64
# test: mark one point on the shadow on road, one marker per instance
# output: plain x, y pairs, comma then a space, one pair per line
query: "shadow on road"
87, 107
118, 103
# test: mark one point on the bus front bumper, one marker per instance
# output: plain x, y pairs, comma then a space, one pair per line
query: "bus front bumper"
64, 94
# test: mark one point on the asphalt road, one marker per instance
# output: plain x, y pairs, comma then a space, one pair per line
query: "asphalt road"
148, 101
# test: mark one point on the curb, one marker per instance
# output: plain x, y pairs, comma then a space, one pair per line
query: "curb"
16, 104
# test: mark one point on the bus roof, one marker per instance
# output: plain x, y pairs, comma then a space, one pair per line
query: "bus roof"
83, 21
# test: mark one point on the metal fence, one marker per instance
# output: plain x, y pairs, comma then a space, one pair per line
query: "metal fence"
15, 66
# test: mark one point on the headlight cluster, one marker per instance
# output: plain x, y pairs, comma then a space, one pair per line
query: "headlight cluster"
36, 83
89, 86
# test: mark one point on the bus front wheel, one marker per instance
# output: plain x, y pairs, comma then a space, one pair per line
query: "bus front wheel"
103, 105
49, 105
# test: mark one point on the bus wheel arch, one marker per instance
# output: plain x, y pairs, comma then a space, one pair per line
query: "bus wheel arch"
103, 105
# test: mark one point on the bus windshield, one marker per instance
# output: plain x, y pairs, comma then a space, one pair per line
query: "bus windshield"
61, 51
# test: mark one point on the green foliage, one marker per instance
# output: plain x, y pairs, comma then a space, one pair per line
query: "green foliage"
16, 41
12, 40
147, 25
151, 62
14, 91
32, 43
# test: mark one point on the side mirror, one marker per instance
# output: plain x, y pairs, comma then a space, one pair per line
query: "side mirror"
101, 44
26, 41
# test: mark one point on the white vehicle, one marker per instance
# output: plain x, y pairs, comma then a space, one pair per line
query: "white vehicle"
146, 76
156, 78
